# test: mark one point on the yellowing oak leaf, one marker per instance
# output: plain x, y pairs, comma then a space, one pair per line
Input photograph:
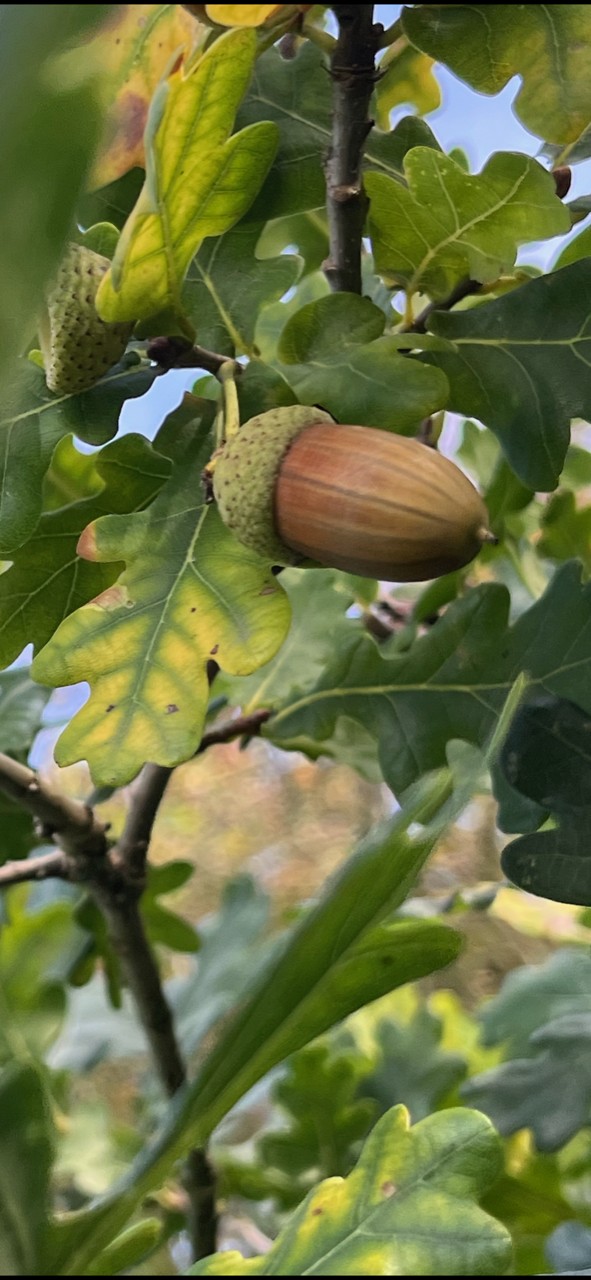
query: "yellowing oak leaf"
133, 50
250, 15
190, 594
199, 180
406, 75
408, 1208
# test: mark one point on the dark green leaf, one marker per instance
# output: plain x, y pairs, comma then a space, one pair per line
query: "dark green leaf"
33, 421
521, 367
451, 683
547, 753
48, 579
554, 864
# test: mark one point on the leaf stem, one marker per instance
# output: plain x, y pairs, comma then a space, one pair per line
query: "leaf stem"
511, 704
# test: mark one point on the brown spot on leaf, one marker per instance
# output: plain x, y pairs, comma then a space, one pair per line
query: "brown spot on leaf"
171, 708
86, 547
316, 1213
388, 1189
212, 652
111, 707
269, 590
113, 598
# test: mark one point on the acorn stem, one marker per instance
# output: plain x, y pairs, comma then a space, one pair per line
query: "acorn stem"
227, 423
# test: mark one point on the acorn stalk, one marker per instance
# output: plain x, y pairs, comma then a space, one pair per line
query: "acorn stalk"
298, 487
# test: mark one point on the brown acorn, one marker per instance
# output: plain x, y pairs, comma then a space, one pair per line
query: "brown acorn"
296, 486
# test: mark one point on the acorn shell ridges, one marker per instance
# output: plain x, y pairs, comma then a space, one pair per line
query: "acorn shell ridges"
246, 472
77, 346
377, 504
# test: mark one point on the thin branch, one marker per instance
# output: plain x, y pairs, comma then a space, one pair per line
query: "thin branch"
465, 289
352, 68
179, 353
132, 846
81, 835
46, 866
241, 727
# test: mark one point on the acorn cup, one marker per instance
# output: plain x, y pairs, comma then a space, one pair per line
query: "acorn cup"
295, 486
77, 346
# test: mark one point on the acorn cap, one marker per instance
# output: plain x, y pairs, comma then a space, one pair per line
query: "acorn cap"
246, 472
77, 346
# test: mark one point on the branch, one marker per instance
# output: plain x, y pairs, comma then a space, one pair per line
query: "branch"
241, 727
465, 289
115, 877
352, 68
179, 353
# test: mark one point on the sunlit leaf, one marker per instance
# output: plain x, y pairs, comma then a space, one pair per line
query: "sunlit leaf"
199, 181
134, 50
407, 1209
243, 15
548, 45
190, 593
449, 224
406, 76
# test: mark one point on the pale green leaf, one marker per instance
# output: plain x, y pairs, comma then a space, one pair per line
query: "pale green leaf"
449, 224
548, 45
199, 181
406, 76
407, 1209
191, 592
26, 1139
51, 124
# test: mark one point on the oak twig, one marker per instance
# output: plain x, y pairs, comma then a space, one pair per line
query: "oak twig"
352, 68
179, 353
464, 289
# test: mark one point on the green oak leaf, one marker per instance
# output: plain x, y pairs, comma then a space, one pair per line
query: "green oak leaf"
334, 356
529, 1093
48, 580
35, 950
323, 1119
199, 180
451, 683
449, 224
26, 1134
565, 529
412, 1067
373, 1223
521, 365
190, 592
33, 421
227, 287
296, 95
51, 125
406, 75
548, 45
21, 707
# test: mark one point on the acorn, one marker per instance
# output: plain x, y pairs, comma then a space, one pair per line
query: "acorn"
77, 346
296, 487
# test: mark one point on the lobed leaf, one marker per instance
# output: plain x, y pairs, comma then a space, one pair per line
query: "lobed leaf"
190, 592
199, 181
548, 45
521, 366
407, 1209
448, 224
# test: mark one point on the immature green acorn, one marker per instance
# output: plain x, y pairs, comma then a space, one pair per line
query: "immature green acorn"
77, 346
295, 486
